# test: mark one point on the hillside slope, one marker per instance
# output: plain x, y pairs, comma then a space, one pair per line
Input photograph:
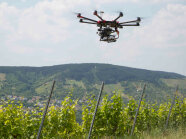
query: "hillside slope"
85, 79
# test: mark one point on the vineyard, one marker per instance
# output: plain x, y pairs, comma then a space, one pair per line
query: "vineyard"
113, 118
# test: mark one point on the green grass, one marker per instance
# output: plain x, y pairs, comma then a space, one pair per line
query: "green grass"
113, 87
169, 134
44, 88
155, 134
74, 82
173, 82
2, 76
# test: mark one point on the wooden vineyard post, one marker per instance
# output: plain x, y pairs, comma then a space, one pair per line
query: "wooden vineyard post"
173, 100
138, 110
98, 100
46, 108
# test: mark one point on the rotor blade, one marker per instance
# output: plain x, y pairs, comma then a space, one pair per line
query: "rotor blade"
76, 13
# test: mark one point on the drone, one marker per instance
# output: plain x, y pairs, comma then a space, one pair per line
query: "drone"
108, 30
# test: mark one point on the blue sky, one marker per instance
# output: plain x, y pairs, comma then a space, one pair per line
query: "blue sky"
46, 32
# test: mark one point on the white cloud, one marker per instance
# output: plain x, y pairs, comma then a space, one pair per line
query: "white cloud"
44, 21
167, 28
159, 43
112, 1
135, 1
7, 14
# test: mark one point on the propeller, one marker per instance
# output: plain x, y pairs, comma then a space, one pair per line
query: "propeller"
101, 13
141, 19
98, 12
78, 14
119, 12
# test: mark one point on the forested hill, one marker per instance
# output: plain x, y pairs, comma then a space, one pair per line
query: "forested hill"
85, 78
88, 72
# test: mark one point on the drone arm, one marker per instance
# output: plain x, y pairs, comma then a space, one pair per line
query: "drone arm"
130, 24
134, 21
85, 18
99, 17
117, 18
81, 21
120, 15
